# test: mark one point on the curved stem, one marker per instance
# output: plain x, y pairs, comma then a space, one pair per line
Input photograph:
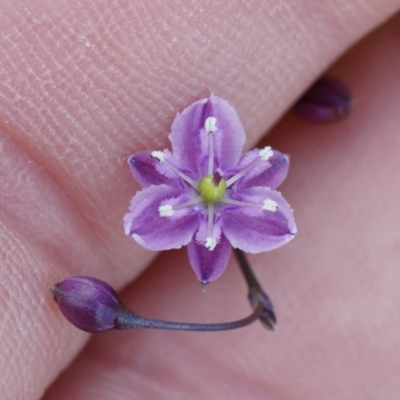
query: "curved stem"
256, 295
129, 320
251, 279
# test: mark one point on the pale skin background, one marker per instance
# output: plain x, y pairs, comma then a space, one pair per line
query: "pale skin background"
84, 84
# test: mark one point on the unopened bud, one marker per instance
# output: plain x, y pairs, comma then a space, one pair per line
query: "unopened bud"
88, 303
327, 100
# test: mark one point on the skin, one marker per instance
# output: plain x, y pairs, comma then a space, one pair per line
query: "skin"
85, 84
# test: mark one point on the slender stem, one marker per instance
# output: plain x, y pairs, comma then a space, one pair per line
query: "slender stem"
256, 295
128, 320
251, 279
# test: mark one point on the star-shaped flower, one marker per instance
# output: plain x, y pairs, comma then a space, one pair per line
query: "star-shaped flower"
206, 195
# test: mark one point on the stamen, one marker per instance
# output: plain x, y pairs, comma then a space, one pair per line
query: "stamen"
166, 210
226, 200
266, 153
210, 152
270, 205
211, 243
190, 181
159, 155
210, 125
243, 172
195, 200
263, 155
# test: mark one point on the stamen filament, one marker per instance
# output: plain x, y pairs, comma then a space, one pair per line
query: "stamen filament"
240, 203
190, 181
243, 172
210, 220
188, 203
267, 205
263, 155
210, 153
210, 240
168, 210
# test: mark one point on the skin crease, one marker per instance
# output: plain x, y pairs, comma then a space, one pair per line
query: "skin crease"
84, 84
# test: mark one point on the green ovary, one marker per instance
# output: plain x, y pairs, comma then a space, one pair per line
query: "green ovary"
209, 191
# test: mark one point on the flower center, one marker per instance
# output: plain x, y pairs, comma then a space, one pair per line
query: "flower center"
212, 188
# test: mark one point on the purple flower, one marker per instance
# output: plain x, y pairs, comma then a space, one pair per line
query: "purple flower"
206, 195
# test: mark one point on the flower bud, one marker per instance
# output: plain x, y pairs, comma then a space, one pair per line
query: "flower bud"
88, 303
267, 317
327, 100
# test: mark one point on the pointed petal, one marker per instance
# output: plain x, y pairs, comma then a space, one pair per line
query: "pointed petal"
155, 232
209, 265
185, 135
269, 173
143, 168
273, 176
189, 141
253, 229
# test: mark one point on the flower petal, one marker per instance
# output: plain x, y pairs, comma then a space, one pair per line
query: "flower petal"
155, 232
269, 173
254, 229
188, 128
209, 265
143, 168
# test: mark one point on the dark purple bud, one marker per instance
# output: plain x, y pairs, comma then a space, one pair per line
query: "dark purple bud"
88, 303
267, 317
142, 166
327, 100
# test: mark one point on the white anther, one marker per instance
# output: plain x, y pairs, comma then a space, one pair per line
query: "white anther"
210, 125
210, 243
270, 205
266, 153
159, 155
166, 211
